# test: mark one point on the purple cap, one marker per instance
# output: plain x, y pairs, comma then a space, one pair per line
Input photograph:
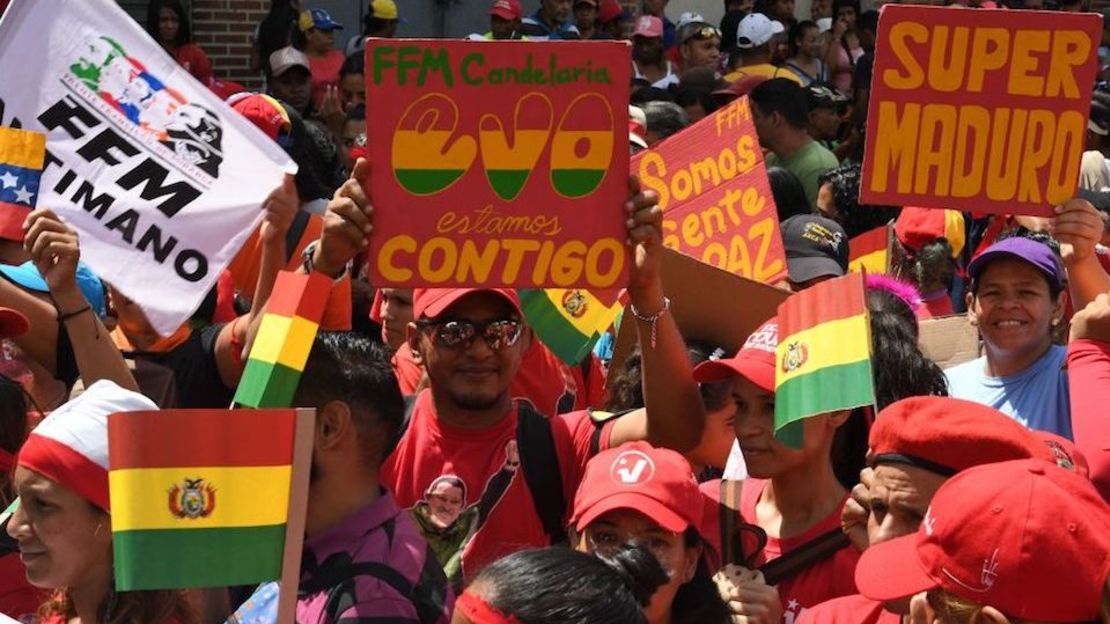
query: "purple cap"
1036, 253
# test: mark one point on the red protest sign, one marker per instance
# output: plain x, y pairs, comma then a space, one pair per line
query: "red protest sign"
498, 163
716, 200
981, 110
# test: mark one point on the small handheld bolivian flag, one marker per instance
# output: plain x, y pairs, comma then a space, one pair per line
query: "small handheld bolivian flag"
284, 340
570, 321
22, 154
823, 358
869, 251
199, 498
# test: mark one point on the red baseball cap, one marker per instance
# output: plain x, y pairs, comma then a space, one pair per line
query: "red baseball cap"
507, 9
1064, 453
917, 227
1025, 537
12, 323
755, 361
945, 435
431, 302
656, 482
648, 26
263, 111
610, 10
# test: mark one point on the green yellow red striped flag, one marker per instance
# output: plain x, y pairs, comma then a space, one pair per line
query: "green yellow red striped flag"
284, 340
199, 498
570, 321
823, 358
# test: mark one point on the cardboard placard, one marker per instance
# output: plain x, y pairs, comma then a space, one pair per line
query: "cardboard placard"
716, 199
974, 109
949, 340
498, 163
708, 304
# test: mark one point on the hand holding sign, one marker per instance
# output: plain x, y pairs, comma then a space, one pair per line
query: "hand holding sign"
281, 208
347, 223
54, 250
1079, 228
645, 234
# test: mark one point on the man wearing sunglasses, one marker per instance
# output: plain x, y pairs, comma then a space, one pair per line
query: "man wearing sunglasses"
699, 45
464, 424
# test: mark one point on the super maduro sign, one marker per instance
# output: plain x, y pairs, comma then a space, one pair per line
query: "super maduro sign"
976, 109
498, 163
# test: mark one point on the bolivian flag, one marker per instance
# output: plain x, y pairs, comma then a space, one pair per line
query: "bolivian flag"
870, 251
199, 498
570, 321
509, 162
284, 340
426, 160
823, 358
22, 154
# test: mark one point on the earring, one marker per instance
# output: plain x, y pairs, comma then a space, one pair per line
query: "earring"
1055, 322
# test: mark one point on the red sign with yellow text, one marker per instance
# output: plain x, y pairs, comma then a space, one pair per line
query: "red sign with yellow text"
498, 163
975, 109
716, 200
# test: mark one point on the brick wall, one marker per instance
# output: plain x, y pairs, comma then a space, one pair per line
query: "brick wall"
223, 28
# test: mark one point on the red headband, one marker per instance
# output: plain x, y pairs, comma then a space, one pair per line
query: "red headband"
479, 611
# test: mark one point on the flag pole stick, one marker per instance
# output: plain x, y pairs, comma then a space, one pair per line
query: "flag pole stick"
298, 505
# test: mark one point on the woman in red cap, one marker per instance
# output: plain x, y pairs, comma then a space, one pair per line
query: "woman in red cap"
639, 494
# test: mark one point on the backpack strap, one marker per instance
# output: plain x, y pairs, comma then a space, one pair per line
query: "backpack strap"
815, 550
599, 419
540, 463
733, 527
293, 236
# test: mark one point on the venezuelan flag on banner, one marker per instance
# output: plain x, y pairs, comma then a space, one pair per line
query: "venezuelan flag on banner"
22, 154
870, 251
570, 321
199, 498
284, 340
823, 358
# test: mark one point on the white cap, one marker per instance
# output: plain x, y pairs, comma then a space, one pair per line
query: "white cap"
285, 58
689, 17
755, 30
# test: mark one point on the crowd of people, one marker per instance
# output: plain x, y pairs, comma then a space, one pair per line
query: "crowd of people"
462, 472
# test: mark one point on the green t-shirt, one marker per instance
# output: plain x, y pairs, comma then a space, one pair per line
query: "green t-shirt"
808, 164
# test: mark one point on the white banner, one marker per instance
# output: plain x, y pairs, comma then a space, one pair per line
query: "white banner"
163, 181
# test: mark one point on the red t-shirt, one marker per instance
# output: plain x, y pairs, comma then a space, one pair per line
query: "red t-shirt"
325, 73
493, 498
937, 304
18, 598
195, 61
855, 609
826, 580
543, 380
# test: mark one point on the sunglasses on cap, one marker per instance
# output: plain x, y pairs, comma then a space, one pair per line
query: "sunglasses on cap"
499, 334
705, 32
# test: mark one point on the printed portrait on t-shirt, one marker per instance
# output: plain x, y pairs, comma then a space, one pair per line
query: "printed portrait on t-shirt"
446, 521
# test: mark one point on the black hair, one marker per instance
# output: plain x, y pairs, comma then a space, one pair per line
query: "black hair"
837, 4
665, 118
899, 370
275, 31
352, 368
932, 264
557, 584
689, 97
626, 390
730, 25
353, 64
13, 415
790, 195
154, 15
869, 21
797, 32
1054, 290
783, 96
855, 218
698, 601
313, 180
643, 95
700, 78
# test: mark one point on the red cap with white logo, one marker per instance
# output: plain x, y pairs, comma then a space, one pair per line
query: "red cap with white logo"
755, 361
1026, 537
656, 482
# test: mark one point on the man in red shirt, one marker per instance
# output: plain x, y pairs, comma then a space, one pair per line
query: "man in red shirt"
465, 425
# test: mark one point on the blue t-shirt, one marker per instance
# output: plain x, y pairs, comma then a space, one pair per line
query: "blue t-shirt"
1037, 397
